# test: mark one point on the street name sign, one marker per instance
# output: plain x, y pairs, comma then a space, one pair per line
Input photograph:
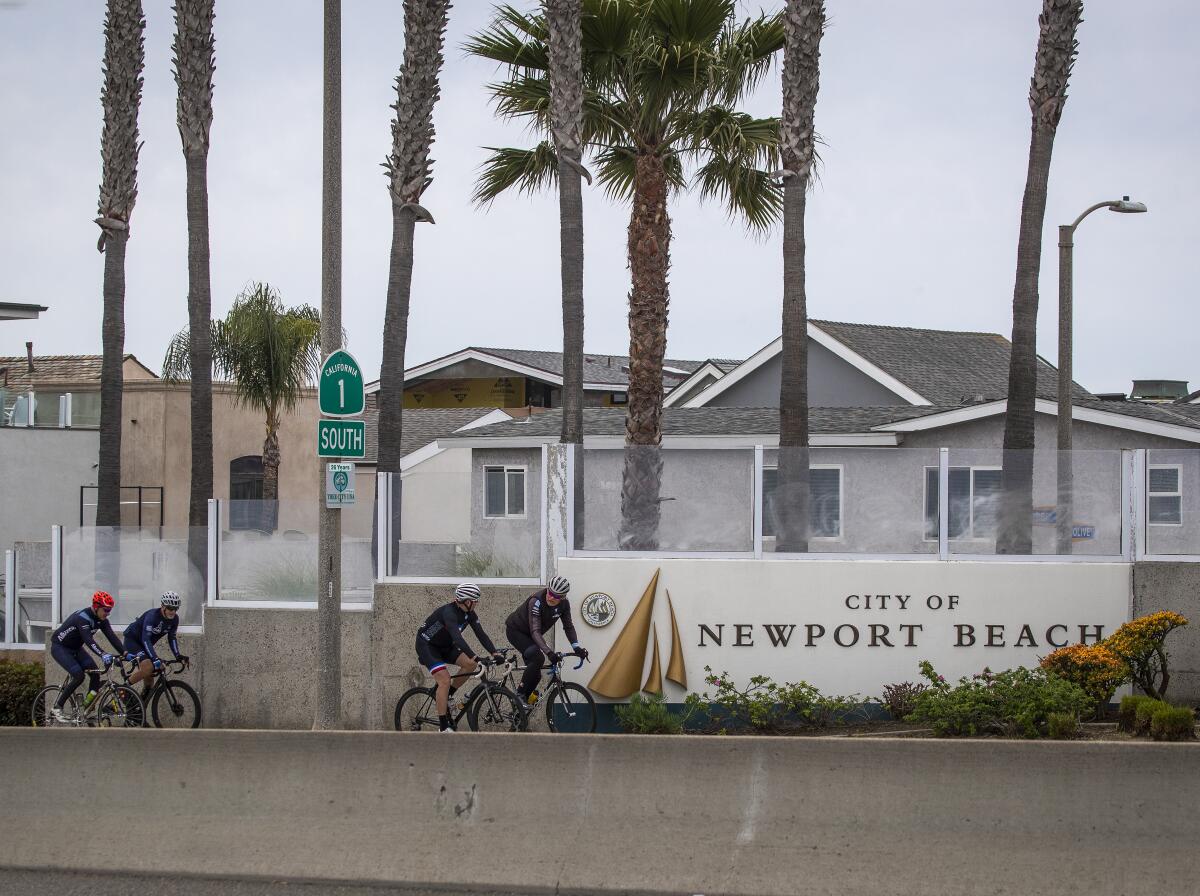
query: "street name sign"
341, 438
339, 486
340, 388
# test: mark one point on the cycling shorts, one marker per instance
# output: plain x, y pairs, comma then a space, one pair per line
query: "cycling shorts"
433, 657
133, 646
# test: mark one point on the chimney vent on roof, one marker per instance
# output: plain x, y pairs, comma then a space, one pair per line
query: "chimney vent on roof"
1158, 390
29, 355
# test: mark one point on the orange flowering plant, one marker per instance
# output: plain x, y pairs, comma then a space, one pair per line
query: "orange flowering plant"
1140, 645
1094, 667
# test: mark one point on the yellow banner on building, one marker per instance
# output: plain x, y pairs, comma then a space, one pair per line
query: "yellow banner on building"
490, 392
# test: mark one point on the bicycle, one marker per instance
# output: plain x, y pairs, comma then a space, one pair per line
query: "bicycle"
173, 703
570, 707
115, 705
488, 706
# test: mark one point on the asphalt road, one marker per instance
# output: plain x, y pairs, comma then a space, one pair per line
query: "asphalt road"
36, 883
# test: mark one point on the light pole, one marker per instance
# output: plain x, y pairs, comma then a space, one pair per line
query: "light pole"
1066, 246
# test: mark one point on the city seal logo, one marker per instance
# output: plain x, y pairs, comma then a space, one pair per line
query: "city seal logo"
340, 481
599, 609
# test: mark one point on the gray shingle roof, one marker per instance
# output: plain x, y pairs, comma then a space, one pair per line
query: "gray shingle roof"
945, 366
80, 369
1179, 415
715, 421
421, 426
608, 369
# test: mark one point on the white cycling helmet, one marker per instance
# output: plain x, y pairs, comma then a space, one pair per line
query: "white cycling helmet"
467, 591
170, 600
559, 586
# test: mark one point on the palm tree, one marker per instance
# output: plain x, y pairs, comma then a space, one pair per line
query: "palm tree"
1056, 51
120, 97
194, 64
408, 168
269, 353
662, 82
804, 22
565, 40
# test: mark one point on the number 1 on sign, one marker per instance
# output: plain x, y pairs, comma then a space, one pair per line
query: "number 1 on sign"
342, 393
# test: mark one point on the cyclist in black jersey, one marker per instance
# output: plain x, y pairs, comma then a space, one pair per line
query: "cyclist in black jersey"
68, 641
440, 642
141, 635
527, 625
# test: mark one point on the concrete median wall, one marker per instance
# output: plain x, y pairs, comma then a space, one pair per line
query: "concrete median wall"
602, 814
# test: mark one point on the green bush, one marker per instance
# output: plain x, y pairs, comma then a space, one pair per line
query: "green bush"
900, 699
1127, 715
1173, 723
766, 706
19, 684
1013, 703
1062, 725
648, 715
1145, 714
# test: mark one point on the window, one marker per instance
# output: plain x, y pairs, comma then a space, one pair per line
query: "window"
247, 509
824, 501
1166, 495
503, 492
974, 502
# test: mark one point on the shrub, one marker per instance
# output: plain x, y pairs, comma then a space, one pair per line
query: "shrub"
1173, 723
1145, 714
765, 706
900, 699
19, 684
1094, 667
1062, 725
648, 715
1012, 703
1140, 644
1127, 716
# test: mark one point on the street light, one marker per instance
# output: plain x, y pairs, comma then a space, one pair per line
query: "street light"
1066, 246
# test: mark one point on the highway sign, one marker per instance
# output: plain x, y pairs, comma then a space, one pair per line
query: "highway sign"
341, 438
340, 389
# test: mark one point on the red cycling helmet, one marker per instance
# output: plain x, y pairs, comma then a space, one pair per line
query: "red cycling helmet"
102, 600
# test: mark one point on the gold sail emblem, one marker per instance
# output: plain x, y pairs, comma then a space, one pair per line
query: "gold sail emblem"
620, 673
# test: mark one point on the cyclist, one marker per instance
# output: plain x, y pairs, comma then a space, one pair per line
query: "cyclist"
440, 642
68, 641
143, 632
527, 625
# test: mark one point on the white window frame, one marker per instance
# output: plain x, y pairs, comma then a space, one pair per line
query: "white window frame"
507, 468
970, 502
1178, 493
841, 468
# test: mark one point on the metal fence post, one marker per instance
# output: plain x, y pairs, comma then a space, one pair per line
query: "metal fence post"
56, 574
570, 497
214, 548
545, 503
10, 594
758, 502
383, 525
1138, 497
944, 503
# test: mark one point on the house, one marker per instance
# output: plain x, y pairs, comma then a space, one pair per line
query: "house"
516, 378
20, 311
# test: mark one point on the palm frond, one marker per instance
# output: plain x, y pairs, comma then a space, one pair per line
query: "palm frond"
528, 170
177, 364
748, 193
514, 39
617, 167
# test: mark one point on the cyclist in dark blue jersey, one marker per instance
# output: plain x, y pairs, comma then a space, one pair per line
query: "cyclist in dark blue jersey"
67, 647
143, 632
440, 642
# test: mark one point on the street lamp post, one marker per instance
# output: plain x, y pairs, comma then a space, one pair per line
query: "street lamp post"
1066, 244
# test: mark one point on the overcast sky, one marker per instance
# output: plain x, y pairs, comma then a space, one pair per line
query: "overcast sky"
923, 110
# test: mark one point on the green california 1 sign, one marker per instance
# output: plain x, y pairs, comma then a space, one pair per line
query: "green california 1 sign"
341, 391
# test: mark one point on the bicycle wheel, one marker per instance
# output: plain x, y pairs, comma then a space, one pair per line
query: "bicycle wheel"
570, 709
44, 702
416, 710
119, 706
175, 705
496, 709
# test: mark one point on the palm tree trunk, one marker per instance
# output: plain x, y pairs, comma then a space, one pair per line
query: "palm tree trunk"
563, 20
194, 66
108, 476
200, 360
1047, 96
650, 261
328, 714
804, 25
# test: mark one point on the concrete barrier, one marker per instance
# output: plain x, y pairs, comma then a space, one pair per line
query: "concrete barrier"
612, 814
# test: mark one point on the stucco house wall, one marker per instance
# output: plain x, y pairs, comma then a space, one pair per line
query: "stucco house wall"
505, 546
41, 472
